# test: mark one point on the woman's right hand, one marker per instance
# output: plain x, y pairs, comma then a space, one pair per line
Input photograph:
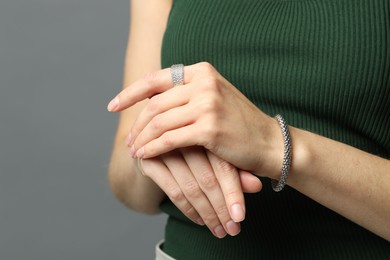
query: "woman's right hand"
207, 189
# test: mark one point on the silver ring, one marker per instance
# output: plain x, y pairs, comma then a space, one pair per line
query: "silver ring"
139, 164
177, 74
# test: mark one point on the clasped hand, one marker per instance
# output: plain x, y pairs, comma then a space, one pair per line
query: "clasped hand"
193, 140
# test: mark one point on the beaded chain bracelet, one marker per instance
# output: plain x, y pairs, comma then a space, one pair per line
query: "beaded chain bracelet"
279, 185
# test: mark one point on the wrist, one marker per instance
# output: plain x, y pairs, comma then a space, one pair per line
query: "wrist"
271, 153
302, 156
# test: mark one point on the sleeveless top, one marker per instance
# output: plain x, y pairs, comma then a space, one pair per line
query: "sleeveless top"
325, 66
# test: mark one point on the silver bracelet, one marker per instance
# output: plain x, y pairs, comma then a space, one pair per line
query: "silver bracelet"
279, 185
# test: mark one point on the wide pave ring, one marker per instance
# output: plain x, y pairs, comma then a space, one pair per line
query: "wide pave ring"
177, 74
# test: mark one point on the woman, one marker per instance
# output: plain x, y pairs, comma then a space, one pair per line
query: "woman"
205, 132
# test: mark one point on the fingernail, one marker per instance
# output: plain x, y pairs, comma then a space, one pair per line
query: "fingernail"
113, 104
131, 151
140, 153
233, 228
128, 139
238, 214
220, 232
200, 221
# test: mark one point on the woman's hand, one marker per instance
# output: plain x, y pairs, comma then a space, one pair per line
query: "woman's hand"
206, 111
205, 188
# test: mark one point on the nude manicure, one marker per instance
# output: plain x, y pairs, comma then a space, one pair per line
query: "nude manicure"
128, 139
140, 153
132, 151
237, 211
220, 232
113, 105
233, 228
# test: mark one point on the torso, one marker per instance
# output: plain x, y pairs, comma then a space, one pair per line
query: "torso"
323, 64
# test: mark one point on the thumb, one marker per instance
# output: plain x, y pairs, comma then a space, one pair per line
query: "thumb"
249, 182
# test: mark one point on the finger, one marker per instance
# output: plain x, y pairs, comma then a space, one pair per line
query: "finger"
160, 174
203, 172
178, 138
175, 97
172, 119
193, 193
151, 84
229, 181
249, 182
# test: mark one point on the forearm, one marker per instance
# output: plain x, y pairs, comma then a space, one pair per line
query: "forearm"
147, 26
129, 185
347, 180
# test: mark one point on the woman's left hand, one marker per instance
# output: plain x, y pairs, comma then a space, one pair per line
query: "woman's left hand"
206, 111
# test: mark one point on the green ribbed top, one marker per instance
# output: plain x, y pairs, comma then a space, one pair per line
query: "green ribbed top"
325, 66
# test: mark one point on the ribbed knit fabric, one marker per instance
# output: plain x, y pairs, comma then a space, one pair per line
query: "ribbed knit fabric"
325, 66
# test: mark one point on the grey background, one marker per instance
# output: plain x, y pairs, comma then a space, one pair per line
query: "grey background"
60, 63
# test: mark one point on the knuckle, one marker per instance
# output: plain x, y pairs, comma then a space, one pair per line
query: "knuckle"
232, 195
206, 67
156, 123
151, 80
210, 217
167, 140
175, 195
222, 211
228, 172
150, 77
225, 167
190, 212
208, 180
192, 189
